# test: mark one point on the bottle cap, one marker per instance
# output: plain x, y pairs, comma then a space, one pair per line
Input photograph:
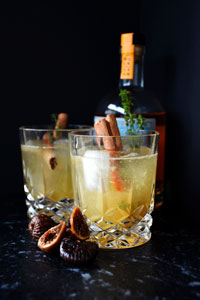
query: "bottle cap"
127, 43
126, 39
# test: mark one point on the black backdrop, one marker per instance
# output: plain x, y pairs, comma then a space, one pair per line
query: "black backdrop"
64, 56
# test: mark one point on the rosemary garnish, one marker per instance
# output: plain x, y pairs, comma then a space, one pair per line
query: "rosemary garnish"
127, 103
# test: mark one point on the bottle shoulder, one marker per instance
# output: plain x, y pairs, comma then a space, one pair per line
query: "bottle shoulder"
145, 101
112, 97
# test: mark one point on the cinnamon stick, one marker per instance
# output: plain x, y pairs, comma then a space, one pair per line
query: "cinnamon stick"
102, 128
49, 155
114, 130
108, 128
61, 123
46, 139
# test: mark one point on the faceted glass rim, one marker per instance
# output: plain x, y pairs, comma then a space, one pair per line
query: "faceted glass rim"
49, 128
147, 133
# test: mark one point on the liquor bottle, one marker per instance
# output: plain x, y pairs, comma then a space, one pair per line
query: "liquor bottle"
145, 102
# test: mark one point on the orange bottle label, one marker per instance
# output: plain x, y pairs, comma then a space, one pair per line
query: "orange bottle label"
127, 56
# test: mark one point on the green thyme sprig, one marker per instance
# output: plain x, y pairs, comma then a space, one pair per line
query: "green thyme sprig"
127, 103
141, 122
51, 138
54, 118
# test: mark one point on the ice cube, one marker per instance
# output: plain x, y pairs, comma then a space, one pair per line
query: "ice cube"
104, 155
61, 141
132, 154
96, 169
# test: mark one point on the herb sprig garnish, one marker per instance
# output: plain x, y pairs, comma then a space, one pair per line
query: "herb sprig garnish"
127, 103
54, 118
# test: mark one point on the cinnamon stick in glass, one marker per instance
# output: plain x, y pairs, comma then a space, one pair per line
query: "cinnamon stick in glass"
49, 155
107, 128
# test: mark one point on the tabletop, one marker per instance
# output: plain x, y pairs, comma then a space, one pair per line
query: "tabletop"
167, 267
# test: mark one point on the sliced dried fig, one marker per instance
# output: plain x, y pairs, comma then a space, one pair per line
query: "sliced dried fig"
51, 239
78, 252
79, 226
39, 225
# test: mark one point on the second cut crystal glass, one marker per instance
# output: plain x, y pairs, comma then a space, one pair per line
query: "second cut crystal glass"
115, 189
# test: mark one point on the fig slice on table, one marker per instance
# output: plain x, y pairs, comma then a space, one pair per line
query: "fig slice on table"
51, 239
79, 226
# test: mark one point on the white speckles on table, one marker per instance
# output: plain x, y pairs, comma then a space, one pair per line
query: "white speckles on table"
194, 283
165, 268
106, 272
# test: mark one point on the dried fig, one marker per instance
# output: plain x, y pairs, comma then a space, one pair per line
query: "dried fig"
79, 226
78, 252
39, 224
70, 235
51, 239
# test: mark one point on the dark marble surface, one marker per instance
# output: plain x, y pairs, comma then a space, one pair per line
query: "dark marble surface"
167, 267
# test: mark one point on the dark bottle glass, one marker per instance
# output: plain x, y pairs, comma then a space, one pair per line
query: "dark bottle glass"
146, 102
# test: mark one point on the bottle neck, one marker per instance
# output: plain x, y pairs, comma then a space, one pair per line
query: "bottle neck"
136, 80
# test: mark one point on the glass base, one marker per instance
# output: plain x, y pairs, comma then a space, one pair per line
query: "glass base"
60, 210
122, 236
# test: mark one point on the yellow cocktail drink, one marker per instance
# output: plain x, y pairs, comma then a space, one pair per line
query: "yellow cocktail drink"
116, 189
43, 179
